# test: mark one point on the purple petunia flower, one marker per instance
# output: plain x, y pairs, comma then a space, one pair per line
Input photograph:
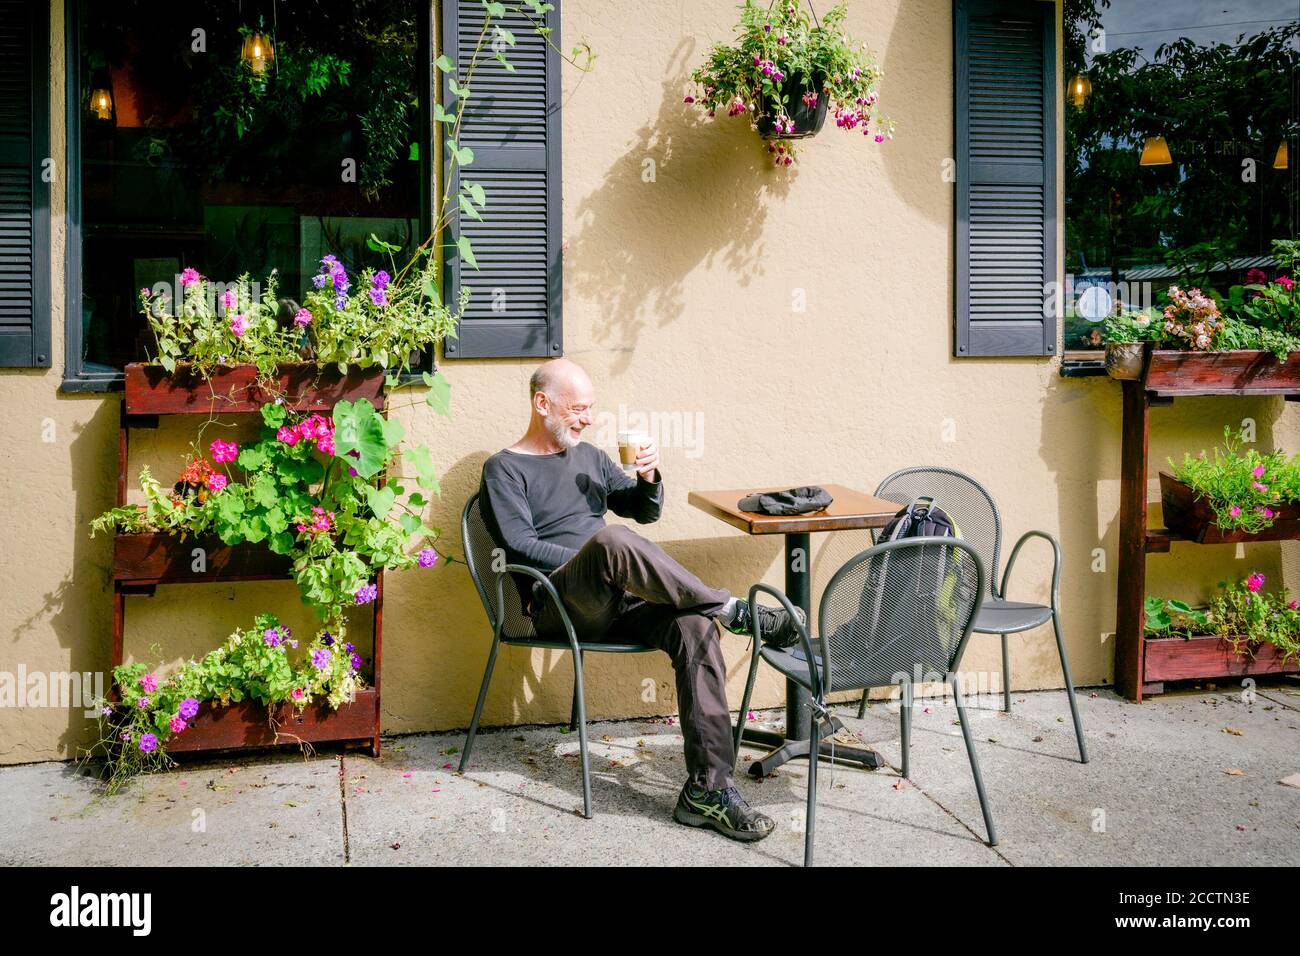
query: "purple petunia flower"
428, 557
327, 638
148, 743
321, 658
366, 593
349, 647
271, 636
356, 662
189, 708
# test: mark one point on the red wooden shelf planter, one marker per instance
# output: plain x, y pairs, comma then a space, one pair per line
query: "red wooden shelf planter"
247, 724
1191, 518
1142, 665
1207, 656
152, 390
159, 558
141, 562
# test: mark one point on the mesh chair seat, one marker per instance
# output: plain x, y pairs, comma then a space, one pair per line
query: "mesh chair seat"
1007, 617
846, 678
602, 647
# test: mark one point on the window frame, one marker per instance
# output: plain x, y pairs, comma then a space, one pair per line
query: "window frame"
80, 375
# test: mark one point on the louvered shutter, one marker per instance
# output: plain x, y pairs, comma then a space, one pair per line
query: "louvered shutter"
1006, 177
512, 124
24, 197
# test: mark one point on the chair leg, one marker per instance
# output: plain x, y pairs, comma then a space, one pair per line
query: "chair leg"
573, 712
478, 706
905, 710
580, 700
810, 814
744, 709
974, 762
1069, 687
1006, 676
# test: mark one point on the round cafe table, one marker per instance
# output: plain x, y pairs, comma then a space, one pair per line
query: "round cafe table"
851, 510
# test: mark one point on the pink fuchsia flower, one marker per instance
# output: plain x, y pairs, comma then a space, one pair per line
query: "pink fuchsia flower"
177, 723
217, 482
1255, 582
287, 435
148, 743
189, 708
1284, 282
224, 450
302, 318
1258, 471
189, 277
880, 138
238, 325
149, 682
428, 557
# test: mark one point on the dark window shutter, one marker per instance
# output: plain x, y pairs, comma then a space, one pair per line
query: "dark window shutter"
512, 124
1006, 177
24, 196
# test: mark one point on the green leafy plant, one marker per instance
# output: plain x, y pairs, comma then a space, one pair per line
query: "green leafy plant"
322, 490
782, 54
1240, 611
1131, 327
1242, 487
261, 664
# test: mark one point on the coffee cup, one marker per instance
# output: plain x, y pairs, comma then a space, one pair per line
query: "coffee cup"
630, 444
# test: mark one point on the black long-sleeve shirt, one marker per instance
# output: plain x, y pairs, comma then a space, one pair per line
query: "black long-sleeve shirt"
542, 508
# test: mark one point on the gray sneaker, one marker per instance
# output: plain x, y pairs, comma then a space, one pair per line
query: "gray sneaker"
777, 627
723, 810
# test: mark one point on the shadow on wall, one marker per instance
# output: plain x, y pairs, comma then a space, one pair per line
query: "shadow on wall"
79, 610
689, 192
915, 88
539, 684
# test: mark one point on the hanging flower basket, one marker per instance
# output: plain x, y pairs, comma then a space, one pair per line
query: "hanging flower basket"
805, 111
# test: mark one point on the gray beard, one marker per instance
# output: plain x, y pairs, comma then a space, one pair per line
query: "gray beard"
560, 432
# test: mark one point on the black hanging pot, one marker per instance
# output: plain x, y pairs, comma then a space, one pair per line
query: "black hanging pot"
807, 119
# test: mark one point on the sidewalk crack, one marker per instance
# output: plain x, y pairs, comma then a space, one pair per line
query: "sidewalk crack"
343, 806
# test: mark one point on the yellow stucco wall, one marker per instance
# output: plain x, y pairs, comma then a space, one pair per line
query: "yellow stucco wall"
680, 294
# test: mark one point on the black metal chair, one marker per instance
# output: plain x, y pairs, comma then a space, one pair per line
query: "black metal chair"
979, 523
511, 626
895, 614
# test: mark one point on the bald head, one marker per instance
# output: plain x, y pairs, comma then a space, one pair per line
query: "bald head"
561, 395
559, 378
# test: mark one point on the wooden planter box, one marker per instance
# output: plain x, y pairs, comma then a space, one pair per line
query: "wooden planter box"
1221, 373
151, 390
160, 558
1207, 657
246, 724
1192, 518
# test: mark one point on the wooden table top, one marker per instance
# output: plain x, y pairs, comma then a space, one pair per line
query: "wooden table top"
850, 510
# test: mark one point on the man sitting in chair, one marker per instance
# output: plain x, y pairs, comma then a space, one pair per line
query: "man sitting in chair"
544, 501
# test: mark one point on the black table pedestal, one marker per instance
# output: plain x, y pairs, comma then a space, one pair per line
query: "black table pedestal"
795, 742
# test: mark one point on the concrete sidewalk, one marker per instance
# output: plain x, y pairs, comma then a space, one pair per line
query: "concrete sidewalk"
1189, 779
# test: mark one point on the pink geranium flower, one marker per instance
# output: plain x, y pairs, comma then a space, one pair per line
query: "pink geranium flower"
217, 482
1284, 282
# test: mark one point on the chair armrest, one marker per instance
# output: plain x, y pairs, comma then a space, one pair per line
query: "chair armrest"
1056, 564
813, 671
547, 586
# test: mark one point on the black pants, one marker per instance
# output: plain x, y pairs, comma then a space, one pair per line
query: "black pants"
621, 587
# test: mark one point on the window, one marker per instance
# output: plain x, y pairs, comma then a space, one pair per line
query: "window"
235, 138
1180, 149
24, 185
512, 123
1006, 177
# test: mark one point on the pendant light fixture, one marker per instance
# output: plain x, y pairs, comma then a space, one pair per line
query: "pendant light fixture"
1079, 91
100, 104
257, 51
1155, 152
